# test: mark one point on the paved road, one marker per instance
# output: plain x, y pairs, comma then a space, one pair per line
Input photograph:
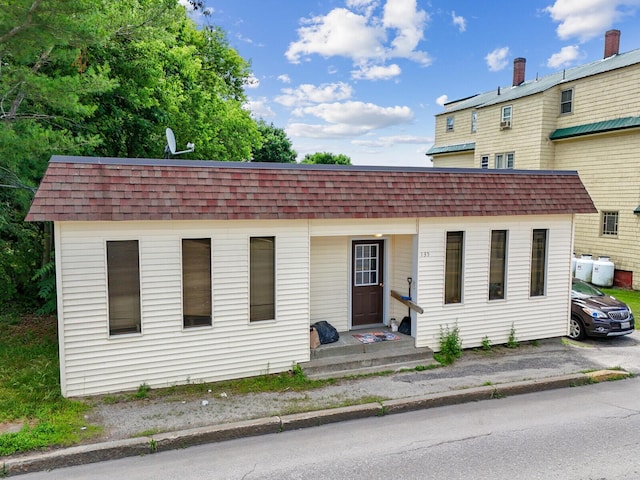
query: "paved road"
588, 432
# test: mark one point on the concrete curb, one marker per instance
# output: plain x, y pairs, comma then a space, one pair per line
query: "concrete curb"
99, 452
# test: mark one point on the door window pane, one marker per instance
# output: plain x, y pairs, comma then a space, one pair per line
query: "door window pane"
366, 265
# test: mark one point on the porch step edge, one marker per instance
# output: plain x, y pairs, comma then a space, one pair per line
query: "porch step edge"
393, 367
335, 365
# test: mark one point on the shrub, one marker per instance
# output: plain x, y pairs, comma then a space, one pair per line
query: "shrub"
450, 345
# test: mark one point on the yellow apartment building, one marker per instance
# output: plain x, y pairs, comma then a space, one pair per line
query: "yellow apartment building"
586, 118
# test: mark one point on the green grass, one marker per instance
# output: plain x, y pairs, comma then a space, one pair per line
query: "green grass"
630, 297
30, 391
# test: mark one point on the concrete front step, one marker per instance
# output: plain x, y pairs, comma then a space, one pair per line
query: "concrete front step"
346, 360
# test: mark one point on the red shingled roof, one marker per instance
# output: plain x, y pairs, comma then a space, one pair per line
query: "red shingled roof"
81, 188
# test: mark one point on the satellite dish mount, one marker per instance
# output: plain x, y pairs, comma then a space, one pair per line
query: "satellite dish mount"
170, 147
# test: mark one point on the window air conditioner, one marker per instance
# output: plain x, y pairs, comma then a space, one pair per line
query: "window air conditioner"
505, 124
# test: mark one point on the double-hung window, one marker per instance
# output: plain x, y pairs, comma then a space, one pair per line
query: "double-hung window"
262, 273
123, 283
474, 121
453, 267
196, 282
538, 262
506, 114
566, 101
498, 264
484, 161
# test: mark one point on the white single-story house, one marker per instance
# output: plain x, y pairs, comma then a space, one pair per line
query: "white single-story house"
174, 271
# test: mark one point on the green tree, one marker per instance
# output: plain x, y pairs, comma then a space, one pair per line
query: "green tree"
45, 96
103, 77
276, 146
326, 158
172, 74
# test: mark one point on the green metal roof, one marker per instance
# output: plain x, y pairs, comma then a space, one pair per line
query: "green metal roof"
597, 127
461, 147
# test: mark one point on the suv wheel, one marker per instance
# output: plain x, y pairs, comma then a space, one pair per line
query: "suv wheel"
576, 329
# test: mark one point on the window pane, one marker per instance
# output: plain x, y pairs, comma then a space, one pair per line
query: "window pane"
123, 280
453, 268
474, 121
484, 162
196, 281
538, 262
506, 113
262, 278
499, 161
449, 124
497, 267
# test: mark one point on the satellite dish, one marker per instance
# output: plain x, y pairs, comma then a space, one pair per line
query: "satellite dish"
170, 147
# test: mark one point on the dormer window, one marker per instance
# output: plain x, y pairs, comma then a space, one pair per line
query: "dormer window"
449, 124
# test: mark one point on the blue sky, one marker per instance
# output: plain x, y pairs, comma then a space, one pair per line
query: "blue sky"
365, 78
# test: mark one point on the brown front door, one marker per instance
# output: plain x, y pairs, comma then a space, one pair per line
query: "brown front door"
366, 282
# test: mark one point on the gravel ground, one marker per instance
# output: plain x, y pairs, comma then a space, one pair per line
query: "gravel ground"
550, 358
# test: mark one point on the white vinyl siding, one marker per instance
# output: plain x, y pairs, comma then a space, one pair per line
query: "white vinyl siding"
400, 268
311, 284
165, 353
330, 281
477, 317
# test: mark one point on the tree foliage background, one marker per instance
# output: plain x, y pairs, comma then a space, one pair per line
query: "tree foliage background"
276, 146
326, 158
105, 78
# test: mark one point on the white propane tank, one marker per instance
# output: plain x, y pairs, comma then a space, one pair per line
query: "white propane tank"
573, 264
602, 273
584, 267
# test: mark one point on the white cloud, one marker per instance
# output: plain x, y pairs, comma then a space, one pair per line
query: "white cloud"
442, 99
459, 21
339, 33
366, 115
324, 130
497, 59
259, 108
391, 140
308, 94
409, 22
363, 37
564, 57
376, 72
348, 119
585, 19
284, 78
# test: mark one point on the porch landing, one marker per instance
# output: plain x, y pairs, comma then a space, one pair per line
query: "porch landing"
348, 356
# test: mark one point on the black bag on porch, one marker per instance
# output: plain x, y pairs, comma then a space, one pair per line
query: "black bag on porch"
405, 326
326, 332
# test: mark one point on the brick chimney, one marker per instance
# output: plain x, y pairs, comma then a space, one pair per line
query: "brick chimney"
611, 43
518, 71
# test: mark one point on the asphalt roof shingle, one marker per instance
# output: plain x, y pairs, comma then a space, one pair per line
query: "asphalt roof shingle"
92, 189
